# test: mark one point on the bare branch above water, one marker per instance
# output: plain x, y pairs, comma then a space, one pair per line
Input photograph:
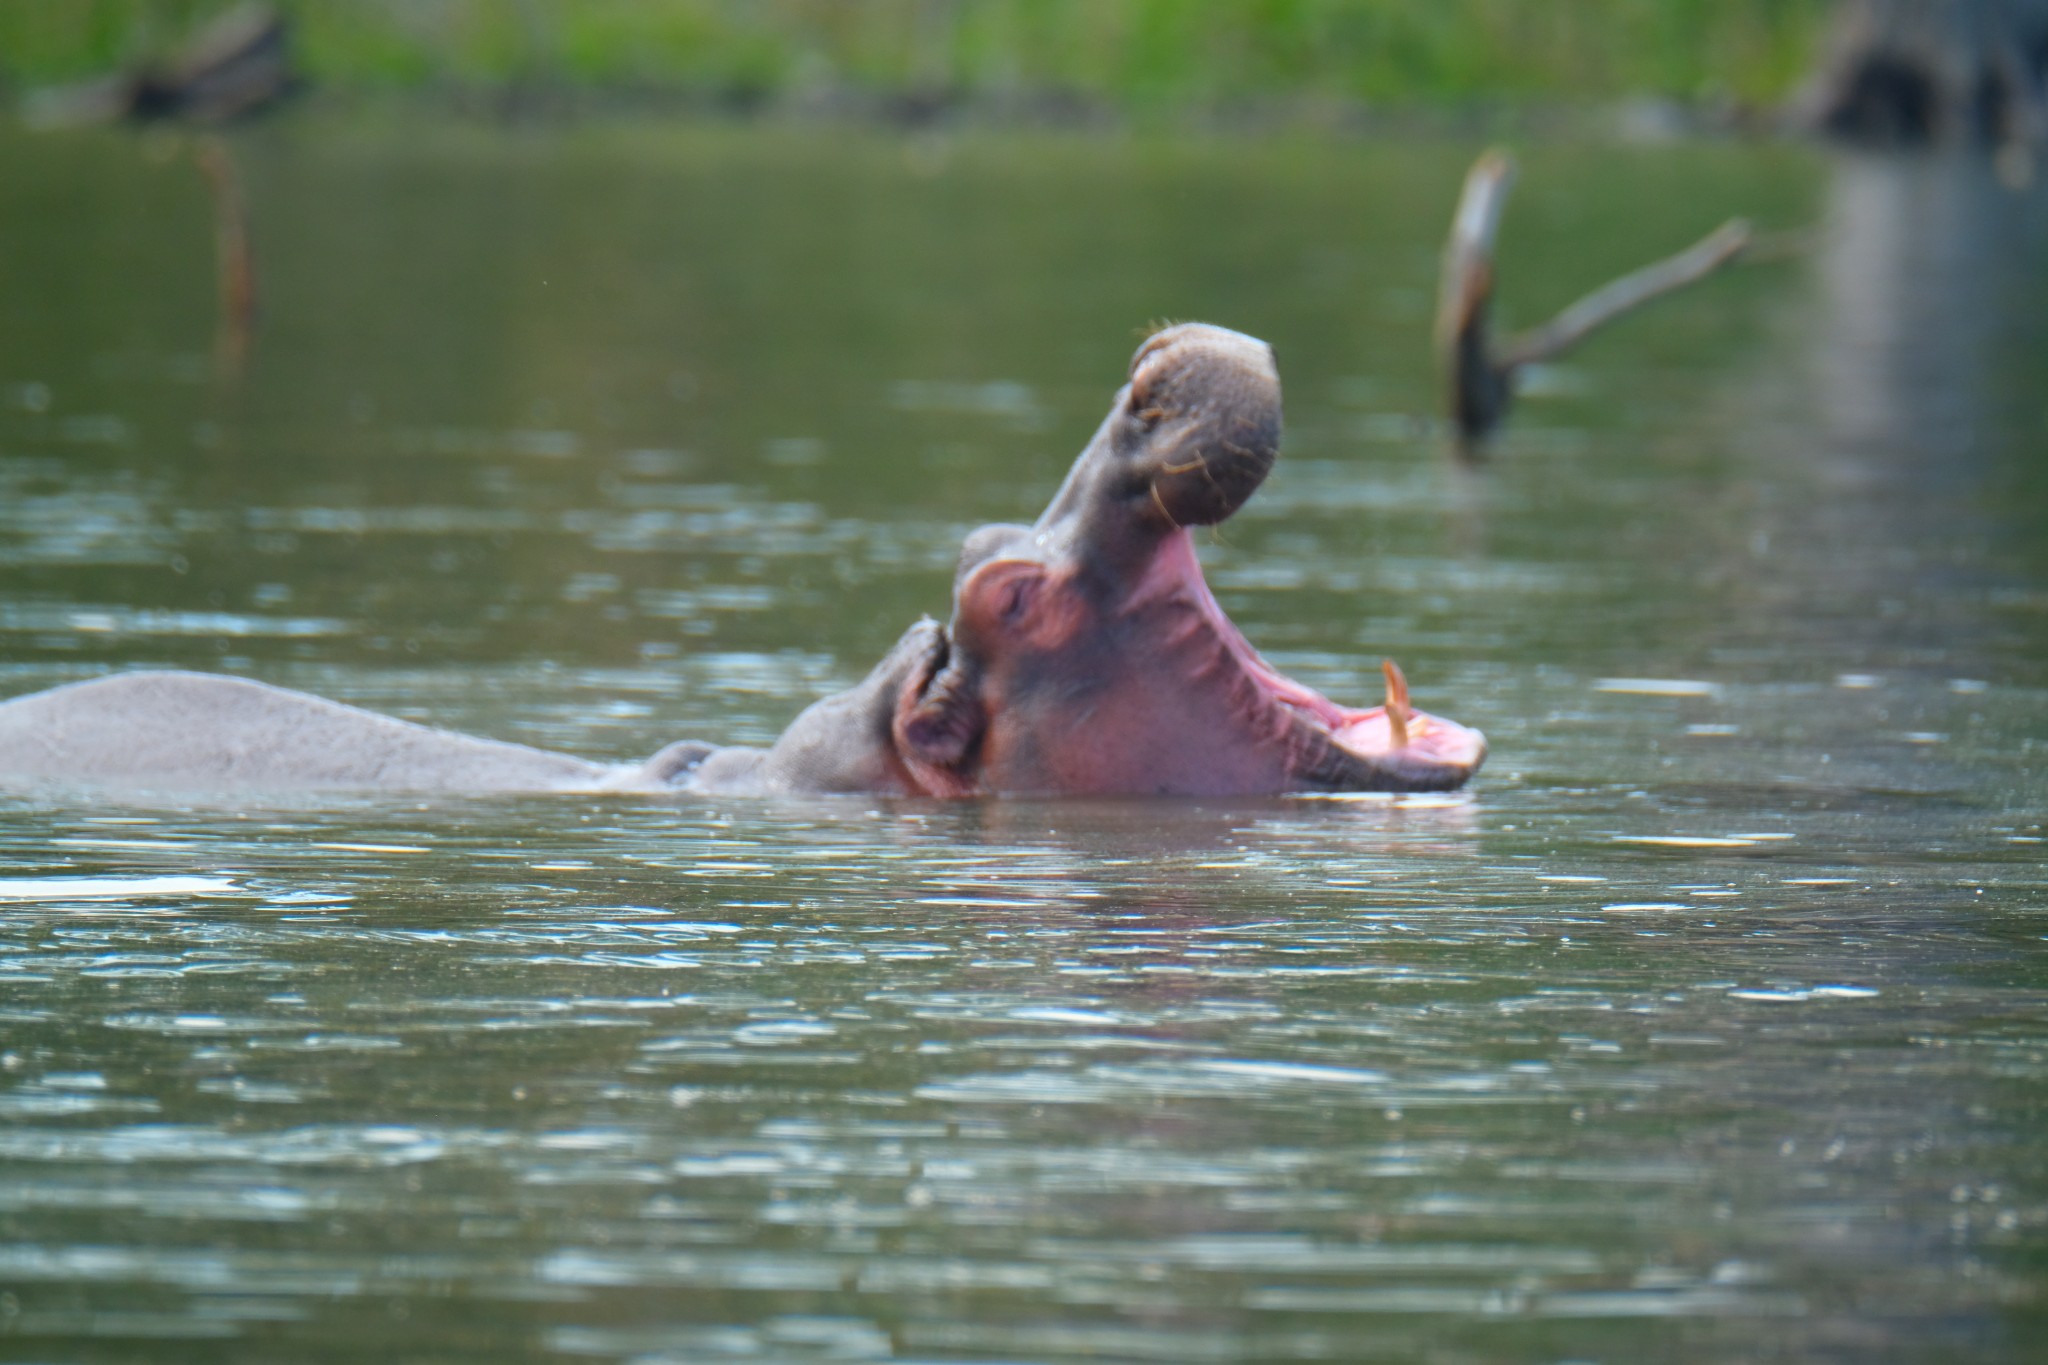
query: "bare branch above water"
1481, 374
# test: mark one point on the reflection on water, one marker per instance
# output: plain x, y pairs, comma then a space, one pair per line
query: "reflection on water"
1707, 1027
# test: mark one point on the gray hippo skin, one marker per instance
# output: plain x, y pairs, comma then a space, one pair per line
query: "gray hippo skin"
1085, 655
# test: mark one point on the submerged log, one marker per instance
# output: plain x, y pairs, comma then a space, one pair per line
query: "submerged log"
1480, 374
1908, 72
233, 66
235, 262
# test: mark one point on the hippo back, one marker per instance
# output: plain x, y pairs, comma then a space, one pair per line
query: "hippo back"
188, 732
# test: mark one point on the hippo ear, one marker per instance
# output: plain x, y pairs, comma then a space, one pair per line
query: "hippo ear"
940, 726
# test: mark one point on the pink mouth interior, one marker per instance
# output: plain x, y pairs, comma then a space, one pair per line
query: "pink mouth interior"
1176, 571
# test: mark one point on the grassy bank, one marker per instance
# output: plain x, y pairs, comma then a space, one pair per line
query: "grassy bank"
1133, 55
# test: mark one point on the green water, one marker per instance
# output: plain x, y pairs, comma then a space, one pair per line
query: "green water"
1711, 1025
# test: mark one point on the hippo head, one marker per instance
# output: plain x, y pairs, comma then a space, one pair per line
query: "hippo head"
1086, 655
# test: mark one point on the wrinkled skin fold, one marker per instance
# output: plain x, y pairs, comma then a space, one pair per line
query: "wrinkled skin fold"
1085, 655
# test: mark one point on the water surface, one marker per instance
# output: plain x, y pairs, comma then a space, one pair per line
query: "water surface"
1710, 1025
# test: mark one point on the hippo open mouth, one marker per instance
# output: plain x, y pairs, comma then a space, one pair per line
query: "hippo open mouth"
1316, 744
1085, 656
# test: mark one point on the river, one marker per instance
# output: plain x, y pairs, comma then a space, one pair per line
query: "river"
1710, 1024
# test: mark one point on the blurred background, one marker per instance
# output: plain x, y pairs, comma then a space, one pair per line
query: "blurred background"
1053, 58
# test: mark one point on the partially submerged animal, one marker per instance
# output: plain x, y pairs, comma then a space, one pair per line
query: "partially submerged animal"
1085, 656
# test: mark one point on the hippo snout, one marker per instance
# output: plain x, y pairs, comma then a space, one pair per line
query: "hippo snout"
1204, 412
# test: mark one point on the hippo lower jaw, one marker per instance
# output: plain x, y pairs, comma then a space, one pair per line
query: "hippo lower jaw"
1327, 747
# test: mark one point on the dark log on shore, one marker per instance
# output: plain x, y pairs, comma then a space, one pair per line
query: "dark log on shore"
1479, 374
231, 67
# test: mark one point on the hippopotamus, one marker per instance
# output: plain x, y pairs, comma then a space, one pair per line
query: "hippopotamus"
1084, 655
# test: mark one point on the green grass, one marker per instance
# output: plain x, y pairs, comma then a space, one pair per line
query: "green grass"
1132, 54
